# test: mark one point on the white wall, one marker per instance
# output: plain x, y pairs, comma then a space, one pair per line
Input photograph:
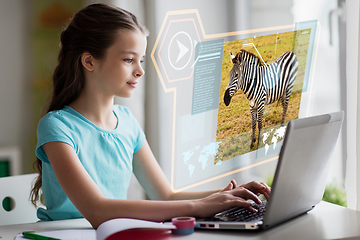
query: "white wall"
266, 13
353, 93
326, 82
15, 75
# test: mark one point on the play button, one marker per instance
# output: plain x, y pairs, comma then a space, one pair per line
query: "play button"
180, 50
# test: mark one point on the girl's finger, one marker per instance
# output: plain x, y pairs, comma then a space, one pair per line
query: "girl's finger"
245, 204
228, 187
246, 194
267, 190
234, 183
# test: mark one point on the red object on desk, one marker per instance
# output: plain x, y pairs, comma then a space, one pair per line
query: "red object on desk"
141, 234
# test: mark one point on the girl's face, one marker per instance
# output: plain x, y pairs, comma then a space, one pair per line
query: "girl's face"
119, 72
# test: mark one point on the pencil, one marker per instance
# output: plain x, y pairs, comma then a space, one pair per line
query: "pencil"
30, 235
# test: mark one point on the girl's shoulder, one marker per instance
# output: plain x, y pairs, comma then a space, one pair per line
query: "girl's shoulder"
122, 111
57, 114
63, 117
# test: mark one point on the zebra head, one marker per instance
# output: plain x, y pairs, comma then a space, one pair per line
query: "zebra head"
243, 73
234, 76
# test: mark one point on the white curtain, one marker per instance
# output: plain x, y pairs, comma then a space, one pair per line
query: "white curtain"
352, 183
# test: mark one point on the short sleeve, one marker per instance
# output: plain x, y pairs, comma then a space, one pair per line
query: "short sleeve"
140, 138
136, 130
52, 128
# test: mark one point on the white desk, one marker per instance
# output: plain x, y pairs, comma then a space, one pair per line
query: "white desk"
326, 221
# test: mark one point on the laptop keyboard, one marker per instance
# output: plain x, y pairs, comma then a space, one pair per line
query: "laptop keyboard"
239, 214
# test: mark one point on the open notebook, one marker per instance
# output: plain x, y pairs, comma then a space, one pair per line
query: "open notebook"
119, 228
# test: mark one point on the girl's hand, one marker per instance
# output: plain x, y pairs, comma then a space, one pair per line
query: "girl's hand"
225, 199
258, 188
231, 185
233, 196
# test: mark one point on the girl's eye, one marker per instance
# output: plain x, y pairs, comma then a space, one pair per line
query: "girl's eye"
128, 60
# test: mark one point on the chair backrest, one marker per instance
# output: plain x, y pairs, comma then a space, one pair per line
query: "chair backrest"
16, 207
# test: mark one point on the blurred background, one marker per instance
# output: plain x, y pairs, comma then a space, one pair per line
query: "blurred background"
29, 44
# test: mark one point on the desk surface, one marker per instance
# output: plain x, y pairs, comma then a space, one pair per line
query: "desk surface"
326, 221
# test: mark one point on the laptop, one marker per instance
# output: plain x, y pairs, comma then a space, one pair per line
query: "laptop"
300, 176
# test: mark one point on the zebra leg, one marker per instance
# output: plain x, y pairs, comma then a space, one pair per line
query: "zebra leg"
260, 119
253, 118
285, 103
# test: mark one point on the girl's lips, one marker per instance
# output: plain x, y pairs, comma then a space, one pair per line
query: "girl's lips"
133, 84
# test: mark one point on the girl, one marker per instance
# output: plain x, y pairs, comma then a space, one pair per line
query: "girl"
86, 144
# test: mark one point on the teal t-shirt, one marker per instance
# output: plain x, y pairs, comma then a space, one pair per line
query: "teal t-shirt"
106, 155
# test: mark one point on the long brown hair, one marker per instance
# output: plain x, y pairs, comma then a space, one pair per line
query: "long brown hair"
93, 29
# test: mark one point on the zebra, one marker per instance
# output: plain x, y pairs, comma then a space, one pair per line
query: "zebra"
262, 84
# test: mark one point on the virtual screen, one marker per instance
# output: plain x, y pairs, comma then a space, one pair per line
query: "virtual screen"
222, 84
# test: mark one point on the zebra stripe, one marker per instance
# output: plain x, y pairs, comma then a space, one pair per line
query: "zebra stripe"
262, 84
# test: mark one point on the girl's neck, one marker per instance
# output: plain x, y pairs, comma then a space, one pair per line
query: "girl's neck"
98, 112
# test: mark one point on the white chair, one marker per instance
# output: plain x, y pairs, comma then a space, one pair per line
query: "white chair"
17, 189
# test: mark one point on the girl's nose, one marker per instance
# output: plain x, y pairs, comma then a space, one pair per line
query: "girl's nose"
139, 72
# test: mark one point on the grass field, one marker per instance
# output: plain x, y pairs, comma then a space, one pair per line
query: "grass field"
234, 121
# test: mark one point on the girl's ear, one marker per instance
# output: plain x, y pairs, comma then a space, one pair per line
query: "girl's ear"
87, 61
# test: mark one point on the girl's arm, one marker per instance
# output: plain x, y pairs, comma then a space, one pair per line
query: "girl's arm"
154, 181
91, 203
156, 185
